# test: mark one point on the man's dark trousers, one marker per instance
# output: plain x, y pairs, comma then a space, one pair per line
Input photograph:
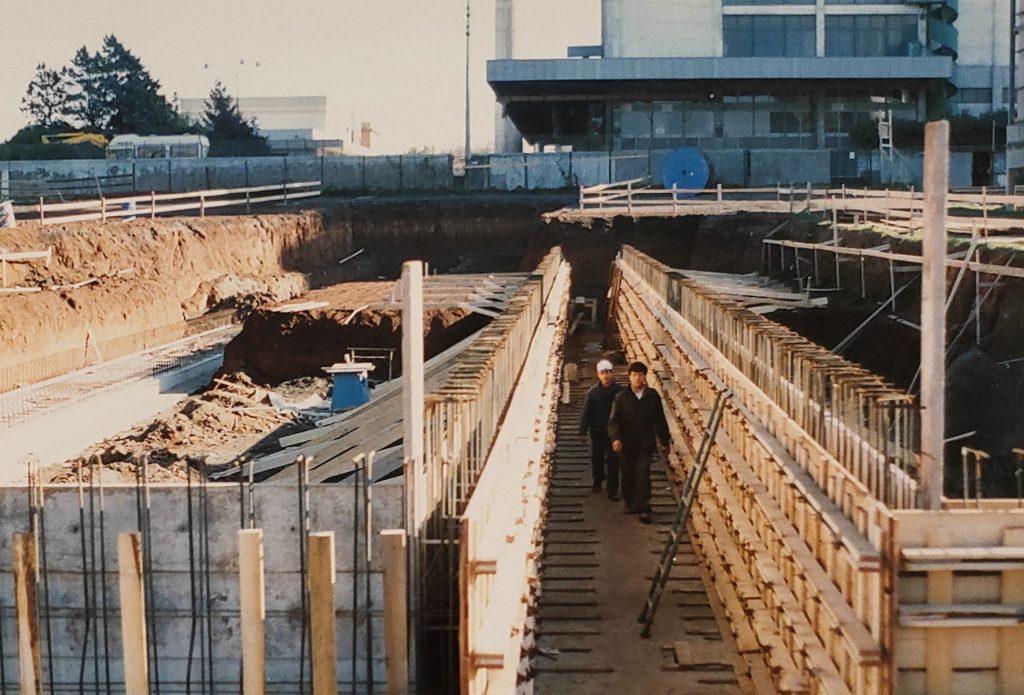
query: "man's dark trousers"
636, 476
601, 455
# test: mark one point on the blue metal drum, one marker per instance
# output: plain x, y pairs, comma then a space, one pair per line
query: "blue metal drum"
686, 169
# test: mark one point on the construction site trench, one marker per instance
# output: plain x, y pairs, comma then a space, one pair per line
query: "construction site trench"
115, 288
289, 294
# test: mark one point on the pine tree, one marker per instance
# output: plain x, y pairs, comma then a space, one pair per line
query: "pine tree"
115, 93
47, 100
222, 121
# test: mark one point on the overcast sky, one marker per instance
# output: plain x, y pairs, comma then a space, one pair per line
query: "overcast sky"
396, 63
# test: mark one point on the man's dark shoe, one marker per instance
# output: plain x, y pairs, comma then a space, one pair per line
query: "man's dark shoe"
645, 518
614, 498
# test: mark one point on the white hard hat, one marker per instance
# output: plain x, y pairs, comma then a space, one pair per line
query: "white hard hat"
604, 366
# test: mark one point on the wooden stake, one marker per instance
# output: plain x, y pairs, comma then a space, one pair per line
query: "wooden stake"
29, 663
396, 634
253, 610
133, 613
324, 652
933, 315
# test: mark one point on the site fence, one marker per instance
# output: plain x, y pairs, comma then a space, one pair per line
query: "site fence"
461, 420
971, 213
110, 177
155, 204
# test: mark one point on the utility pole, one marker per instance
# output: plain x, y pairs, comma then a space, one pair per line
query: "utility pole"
466, 148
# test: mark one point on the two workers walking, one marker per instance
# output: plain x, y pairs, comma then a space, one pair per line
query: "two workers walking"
625, 425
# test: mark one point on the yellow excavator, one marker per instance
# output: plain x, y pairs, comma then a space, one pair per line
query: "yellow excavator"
75, 139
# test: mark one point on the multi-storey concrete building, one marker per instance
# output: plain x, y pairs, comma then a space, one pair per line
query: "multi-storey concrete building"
754, 74
1015, 131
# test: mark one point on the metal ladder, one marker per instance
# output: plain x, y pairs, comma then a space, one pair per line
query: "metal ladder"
685, 506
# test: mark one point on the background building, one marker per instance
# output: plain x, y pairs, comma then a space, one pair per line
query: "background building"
759, 74
291, 124
1015, 132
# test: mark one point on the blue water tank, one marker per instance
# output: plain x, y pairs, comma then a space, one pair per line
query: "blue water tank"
351, 384
685, 169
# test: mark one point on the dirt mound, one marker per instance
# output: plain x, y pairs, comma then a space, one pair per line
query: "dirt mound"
276, 346
986, 398
232, 416
144, 274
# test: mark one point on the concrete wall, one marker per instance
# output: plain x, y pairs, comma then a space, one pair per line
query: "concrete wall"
393, 173
331, 509
569, 170
661, 28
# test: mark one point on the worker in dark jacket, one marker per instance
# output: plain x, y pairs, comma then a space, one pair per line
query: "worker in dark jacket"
635, 426
594, 421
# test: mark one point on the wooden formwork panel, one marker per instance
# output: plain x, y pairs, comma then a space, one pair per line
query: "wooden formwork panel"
959, 583
796, 612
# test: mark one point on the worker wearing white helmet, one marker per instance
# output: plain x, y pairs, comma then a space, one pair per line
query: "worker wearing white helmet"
604, 463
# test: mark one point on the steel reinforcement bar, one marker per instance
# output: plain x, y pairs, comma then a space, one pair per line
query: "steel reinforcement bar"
796, 543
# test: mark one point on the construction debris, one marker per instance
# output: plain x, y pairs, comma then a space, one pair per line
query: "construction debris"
233, 415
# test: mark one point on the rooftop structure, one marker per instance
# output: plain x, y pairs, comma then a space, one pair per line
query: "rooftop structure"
757, 74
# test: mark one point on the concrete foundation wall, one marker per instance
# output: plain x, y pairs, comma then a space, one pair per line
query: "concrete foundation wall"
394, 173
331, 509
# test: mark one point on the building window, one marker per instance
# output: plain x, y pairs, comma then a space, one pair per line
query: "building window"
772, 2
864, 35
974, 95
768, 35
866, 2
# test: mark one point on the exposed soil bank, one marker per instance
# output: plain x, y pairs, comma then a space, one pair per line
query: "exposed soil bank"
155, 273
277, 346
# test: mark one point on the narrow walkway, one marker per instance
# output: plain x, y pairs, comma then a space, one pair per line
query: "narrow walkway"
597, 566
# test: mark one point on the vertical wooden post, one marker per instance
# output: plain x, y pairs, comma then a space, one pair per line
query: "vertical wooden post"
253, 610
396, 634
152, 205
29, 662
324, 654
42, 212
675, 197
933, 314
133, 613
835, 239
103, 209
413, 408
719, 190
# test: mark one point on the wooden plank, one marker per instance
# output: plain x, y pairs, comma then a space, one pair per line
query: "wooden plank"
702, 653
396, 635
133, 613
323, 648
938, 643
253, 610
29, 662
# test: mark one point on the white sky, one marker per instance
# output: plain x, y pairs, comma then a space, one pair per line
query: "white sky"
396, 63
